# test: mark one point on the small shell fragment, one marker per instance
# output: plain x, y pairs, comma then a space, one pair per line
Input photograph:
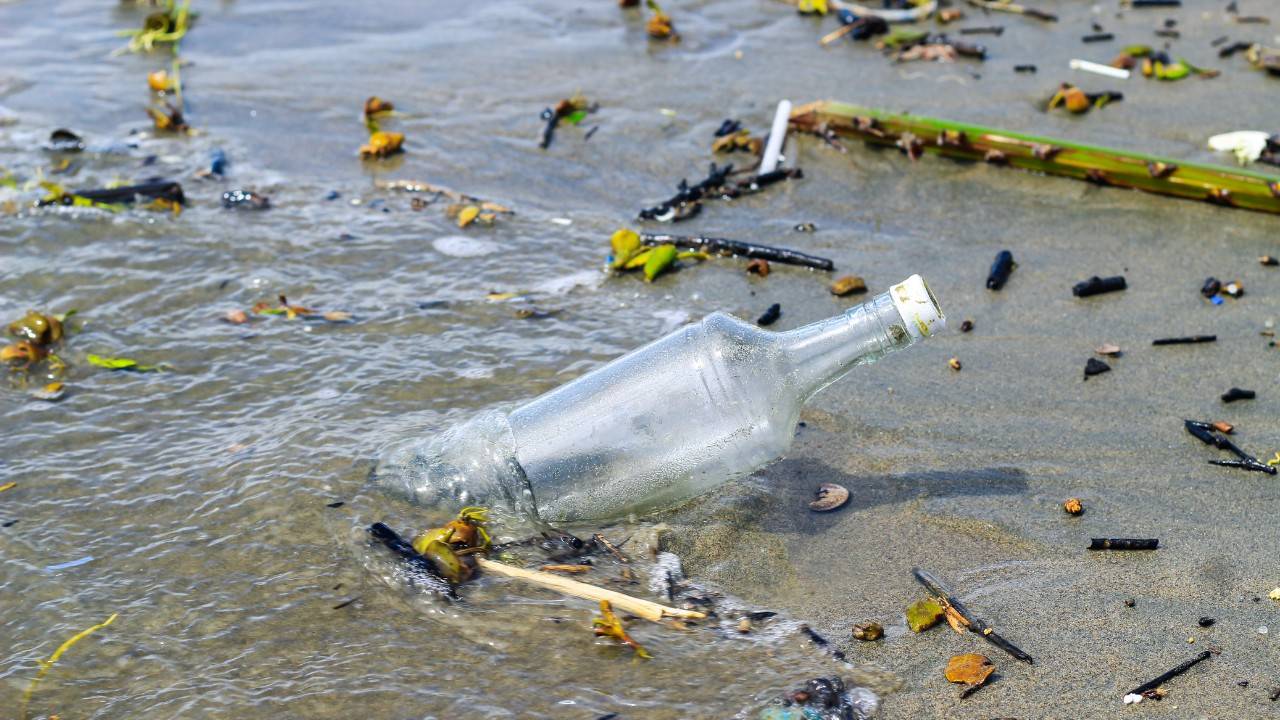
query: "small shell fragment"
1108, 349
829, 497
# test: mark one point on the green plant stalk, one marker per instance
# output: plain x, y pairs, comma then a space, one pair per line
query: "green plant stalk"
1221, 185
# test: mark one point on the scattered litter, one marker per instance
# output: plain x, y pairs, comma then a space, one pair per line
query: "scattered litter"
1246, 145
868, 631
960, 618
1186, 340
1097, 286
1124, 543
1156, 682
1077, 101
770, 315
828, 497
1236, 393
1098, 69
1000, 270
849, 285
1205, 432
69, 564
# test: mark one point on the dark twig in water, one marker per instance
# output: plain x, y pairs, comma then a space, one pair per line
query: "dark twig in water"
1124, 543
161, 189
341, 605
423, 569
1156, 682
722, 246
687, 201
603, 542
1189, 340
821, 642
966, 617
989, 30
1206, 433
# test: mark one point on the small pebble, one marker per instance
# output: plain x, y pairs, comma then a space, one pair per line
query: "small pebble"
770, 316
848, 285
954, 364
1095, 367
744, 625
1243, 683
806, 227
868, 631
1262, 630
966, 326
1130, 602
1073, 506
1191, 641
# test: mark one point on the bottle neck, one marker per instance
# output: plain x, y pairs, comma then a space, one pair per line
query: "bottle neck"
823, 352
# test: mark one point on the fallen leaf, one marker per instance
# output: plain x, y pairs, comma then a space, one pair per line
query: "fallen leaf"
113, 363
923, 614
8, 486
381, 144
377, 106
848, 285
608, 625
160, 81
659, 260
51, 392
467, 215
970, 669
958, 622
625, 244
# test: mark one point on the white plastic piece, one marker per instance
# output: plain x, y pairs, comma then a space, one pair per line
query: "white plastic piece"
777, 136
918, 307
1247, 145
1132, 699
1099, 69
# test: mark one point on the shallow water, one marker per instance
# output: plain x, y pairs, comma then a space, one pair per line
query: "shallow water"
201, 492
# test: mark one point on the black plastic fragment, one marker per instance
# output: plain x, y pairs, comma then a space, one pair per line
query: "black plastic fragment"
1236, 393
1098, 37
1098, 285
1024, 68
1095, 367
63, 140
1000, 270
770, 316
1188, 340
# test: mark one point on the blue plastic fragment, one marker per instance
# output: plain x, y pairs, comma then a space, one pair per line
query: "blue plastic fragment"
69, 564
217, 161
1216, 300
846, 16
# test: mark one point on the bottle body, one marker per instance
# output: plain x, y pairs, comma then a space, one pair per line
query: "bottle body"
710, 402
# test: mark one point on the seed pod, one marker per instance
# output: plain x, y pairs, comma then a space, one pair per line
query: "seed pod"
849, 285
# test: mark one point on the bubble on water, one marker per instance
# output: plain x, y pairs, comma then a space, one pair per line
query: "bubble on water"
671, 319
465, 247
666, 573
565, 283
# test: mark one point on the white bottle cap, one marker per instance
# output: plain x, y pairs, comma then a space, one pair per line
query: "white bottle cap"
918, 307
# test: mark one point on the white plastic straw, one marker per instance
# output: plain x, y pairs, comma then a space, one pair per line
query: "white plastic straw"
1093, 67
777, 136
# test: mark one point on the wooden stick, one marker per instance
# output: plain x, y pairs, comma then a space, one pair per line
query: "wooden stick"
967, 618
640, 608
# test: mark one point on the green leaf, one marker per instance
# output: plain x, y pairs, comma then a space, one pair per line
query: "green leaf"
659, 260
112, 363
1176, 71
904, 36
575, 117
923, 614
1137, 50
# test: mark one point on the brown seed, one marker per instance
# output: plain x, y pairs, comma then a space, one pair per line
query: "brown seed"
744, 625
758, 266
954, 363
868, 631
966, 326
848, 285
1224, 427
829, 497
1107, 349
1073, 506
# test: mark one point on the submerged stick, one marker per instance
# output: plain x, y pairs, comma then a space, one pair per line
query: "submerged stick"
1228, 186
967, 618
1156, 682
785, 256
636, 606
422, 567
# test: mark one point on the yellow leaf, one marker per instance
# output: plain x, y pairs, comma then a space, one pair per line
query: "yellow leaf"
382, 144
658, 261
625, 243
467, 215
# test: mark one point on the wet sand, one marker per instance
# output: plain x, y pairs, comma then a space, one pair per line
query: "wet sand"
202, 494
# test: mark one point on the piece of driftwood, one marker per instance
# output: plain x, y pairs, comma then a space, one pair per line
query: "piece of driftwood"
636, 606
960, 616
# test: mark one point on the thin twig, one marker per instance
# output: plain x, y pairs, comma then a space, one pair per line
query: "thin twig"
968, 619
785, 256
636, 606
